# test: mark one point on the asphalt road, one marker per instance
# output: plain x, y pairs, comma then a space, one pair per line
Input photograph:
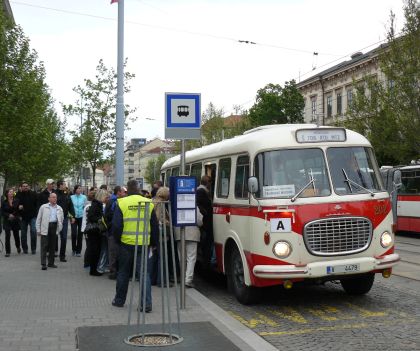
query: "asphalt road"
324, 317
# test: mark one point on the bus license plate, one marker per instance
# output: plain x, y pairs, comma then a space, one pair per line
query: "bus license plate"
346, 268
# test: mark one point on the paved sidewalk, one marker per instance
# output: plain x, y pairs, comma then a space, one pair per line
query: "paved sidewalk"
40, 310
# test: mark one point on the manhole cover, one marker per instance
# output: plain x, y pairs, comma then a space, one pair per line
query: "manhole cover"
153, 339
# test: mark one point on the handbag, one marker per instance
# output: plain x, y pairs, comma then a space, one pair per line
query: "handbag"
92, 228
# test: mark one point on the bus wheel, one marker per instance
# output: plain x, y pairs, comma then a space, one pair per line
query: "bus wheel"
236, 281
359, 284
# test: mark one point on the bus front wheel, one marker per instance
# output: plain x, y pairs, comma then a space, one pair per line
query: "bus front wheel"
359, 284
236, 281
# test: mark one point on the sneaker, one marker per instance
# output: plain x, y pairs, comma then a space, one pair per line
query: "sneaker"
25, 252
189, 285
7, 255
78, 255
63, 260
44, 267
52, 266
33, 252
19, 250
114, 303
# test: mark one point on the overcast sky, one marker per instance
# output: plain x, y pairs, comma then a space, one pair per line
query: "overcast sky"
192, 46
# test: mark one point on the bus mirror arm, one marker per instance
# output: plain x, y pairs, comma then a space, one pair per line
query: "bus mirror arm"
253, 188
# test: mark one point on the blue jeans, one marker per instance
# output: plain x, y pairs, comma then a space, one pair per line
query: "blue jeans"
24, 234
125, 263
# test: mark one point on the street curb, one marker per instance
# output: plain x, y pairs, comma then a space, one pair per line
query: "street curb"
252, 339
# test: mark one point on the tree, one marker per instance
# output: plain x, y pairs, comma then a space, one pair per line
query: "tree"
32, 143
276, 104
153, 168
97, 104
388, 112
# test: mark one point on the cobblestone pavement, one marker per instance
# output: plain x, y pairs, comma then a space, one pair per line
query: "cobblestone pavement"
325, 318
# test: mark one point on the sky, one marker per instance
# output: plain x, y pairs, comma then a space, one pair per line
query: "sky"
193, 46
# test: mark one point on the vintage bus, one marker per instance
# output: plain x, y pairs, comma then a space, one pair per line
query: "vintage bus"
408, 199
295, 202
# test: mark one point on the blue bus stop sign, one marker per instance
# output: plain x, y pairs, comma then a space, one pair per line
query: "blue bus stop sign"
182, 196
182, 116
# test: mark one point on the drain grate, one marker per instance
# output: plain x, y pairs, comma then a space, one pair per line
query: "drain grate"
153, 339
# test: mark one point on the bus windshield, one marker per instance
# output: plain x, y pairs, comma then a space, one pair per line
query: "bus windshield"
353, 170
284, 173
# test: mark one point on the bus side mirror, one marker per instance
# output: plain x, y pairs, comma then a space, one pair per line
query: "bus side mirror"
252, 185
397, 179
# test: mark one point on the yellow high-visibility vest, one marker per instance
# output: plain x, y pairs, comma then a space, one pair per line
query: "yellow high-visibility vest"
129, 208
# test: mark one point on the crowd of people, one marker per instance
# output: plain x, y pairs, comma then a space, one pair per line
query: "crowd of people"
109, 225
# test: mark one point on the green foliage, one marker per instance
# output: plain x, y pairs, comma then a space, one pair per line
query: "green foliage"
277, 105
97, 105
388, 112
32, 144
153, 168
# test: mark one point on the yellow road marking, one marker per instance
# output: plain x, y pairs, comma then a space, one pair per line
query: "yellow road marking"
290, 314
366, 313
252, 323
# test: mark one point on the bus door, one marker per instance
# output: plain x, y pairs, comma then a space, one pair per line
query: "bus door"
210, 170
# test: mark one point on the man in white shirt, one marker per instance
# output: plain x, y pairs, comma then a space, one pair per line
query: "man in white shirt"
48, 224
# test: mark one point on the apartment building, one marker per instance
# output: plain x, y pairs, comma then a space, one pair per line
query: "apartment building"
328, 94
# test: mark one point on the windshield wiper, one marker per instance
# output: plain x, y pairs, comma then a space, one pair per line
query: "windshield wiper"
348, 180
312, 181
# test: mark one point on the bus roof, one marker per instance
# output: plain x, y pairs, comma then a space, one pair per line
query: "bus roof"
262, 138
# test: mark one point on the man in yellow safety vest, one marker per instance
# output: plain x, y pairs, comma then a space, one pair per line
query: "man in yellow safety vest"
127, 228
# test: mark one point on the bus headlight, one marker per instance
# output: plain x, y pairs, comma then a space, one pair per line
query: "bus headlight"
282, 249
386, 239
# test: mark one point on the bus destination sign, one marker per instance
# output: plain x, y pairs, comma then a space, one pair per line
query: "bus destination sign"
320, 135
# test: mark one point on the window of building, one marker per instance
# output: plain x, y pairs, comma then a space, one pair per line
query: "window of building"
339, 104
241, 177
223, 179
349, 98
130, 170
131, 154
329, 106
313, 108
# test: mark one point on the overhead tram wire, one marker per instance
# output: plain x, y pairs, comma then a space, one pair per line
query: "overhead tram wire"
171, 29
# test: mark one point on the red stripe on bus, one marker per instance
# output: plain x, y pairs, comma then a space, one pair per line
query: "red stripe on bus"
375, 210
408, 198
408, 224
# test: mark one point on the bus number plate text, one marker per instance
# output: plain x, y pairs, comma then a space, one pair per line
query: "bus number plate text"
345, 268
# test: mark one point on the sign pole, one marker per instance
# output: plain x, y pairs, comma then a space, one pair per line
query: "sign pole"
182, 258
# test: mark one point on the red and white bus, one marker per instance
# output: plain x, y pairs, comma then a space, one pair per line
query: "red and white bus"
294, 203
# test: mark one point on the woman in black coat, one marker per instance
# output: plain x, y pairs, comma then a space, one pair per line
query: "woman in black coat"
95, 220
11, 220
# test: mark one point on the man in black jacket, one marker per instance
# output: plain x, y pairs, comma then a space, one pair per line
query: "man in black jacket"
28, 211
205, 206
63, 200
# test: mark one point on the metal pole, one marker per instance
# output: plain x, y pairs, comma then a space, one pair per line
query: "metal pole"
119, 122
182, 233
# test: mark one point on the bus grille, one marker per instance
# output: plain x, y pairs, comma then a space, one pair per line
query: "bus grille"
338, 236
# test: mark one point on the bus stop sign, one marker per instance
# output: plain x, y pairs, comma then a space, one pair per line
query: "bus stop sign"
182, 196
182, 116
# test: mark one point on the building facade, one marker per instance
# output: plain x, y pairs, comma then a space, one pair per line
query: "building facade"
329, 94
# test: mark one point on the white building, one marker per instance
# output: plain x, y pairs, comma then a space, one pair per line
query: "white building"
329, 93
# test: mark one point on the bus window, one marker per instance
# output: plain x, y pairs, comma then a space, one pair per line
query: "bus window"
223, 179
175, 171
241, 177
350, 165
410, 182
283, 173
196, 171
168, 174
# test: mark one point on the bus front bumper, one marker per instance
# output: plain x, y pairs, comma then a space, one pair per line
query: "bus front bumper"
327, 268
